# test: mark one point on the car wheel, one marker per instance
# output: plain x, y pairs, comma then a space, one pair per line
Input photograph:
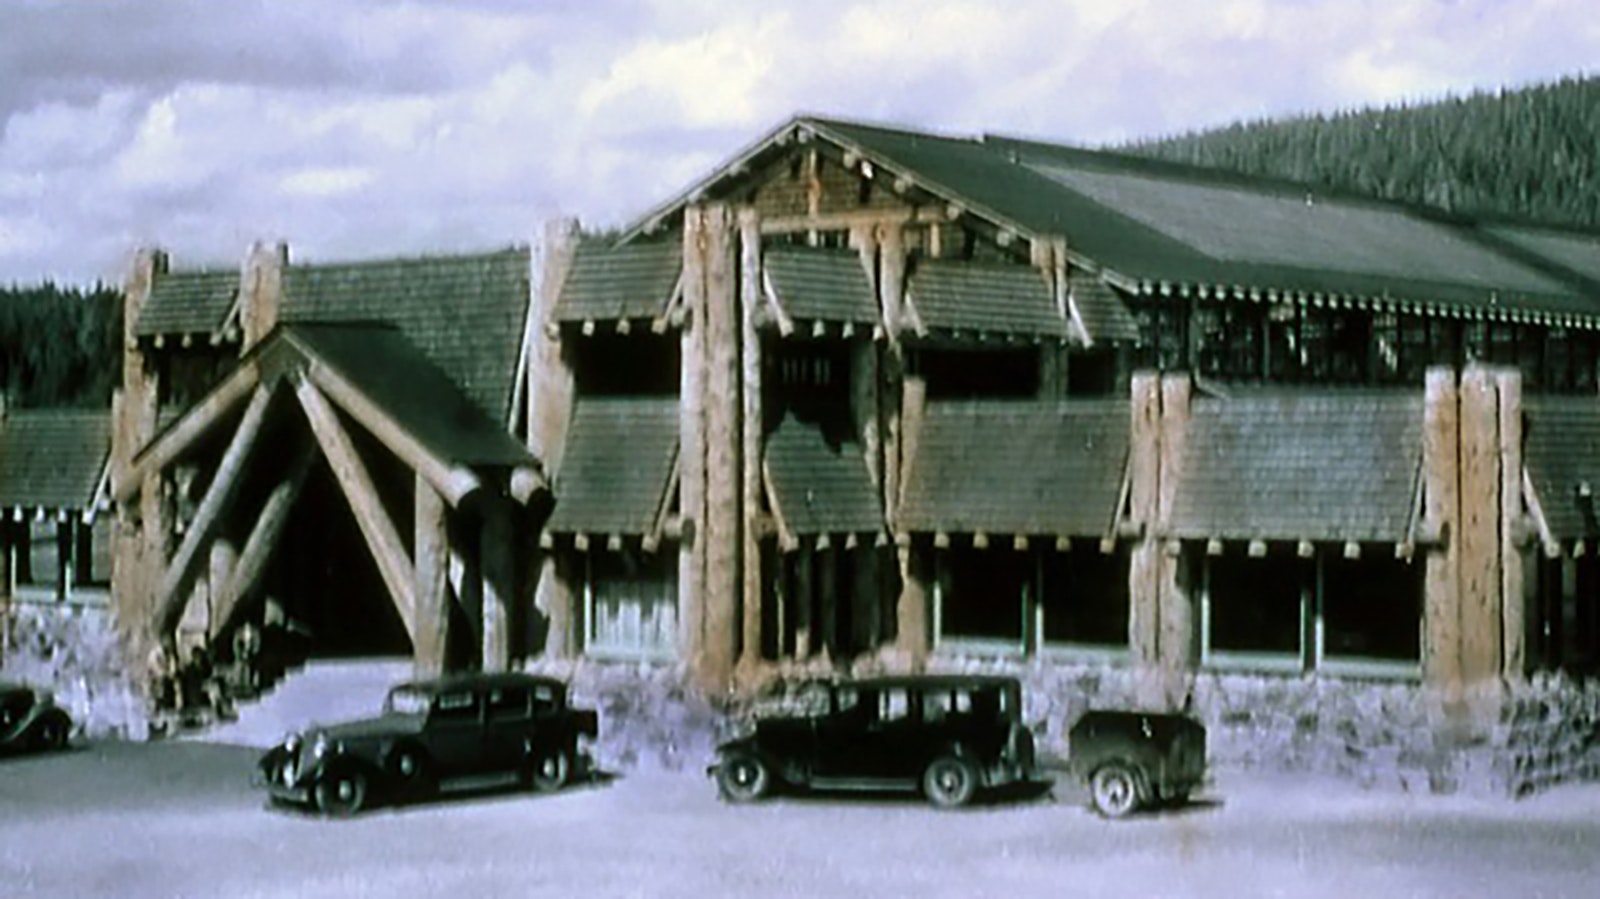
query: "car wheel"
550, 770
950, 782
342, 793
51, 733
1114, 790
743, 778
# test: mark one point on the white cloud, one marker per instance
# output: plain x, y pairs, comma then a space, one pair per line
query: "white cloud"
366, 127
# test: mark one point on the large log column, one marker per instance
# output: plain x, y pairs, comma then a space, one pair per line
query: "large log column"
723, 536
1441, 660
911, 606
261, 291
142, 526
499, 584
1145, 568
431, 562
1176, 642
691, 441
1514, 543
750, 420
550, 392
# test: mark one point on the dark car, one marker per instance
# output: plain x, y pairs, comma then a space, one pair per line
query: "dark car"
948, 736
433, 734
1132, 760
30, 720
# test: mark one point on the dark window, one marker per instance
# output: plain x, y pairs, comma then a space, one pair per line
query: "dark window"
809, 380
1163, 334
1371, 607
1093, 372
508, 703
967, 374
1255, 602
626, 365
981, 594
1086, 597
1229, 337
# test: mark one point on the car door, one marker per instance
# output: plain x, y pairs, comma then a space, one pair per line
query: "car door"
868, 741
454, 735
507, 728
841, 735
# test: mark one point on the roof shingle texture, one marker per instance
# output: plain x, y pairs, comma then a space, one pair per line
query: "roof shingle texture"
1300, 466
382, 363
1100, 307
465, 313
821, 285
1159, 221
191, 302
1561, 452
618, 461
631, 281
821, 488
1011, 299
52, 458
1008, 467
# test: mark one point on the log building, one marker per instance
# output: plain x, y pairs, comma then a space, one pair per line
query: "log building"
867, 396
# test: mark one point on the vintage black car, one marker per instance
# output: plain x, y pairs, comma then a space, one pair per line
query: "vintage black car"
434, 734
30, 720
1131, 760
949, 736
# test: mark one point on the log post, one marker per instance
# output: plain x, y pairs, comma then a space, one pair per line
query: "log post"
356, 484
261, 291
142, 528
911, 625
431, 551
554, 595
723, 538
691, 440
751, 430
1176, 641
499, 584
1145, 568
891, 286
805, 598
550, 382
1513, 594
1440, 453
1480, 516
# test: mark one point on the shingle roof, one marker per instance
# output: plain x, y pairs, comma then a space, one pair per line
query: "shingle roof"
1561, 452
465, 313
617, 465
609, 282
382, 362
1104, 315
821, 487
191, 302
1300, 466
1573, 250
1006, 467
52, 458
1155, 222
821, 284
971, 296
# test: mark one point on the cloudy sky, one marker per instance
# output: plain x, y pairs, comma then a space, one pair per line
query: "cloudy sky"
357, 128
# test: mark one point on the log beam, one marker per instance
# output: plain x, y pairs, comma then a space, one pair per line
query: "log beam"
179, 576
356, 484
194, 424
431, 549
259, 545
498, 567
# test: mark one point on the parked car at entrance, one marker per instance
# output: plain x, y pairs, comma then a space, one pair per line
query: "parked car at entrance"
30, 720
433, 735
948, 737
1133, 760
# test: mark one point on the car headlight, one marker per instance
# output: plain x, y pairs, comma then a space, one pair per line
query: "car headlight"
319, 746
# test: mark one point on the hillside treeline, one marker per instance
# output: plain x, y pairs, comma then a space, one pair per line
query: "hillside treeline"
1527, 153
59, 346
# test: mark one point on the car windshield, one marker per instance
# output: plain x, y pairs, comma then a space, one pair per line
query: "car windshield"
406, 702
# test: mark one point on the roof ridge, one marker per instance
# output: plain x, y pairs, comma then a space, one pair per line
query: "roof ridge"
416, 259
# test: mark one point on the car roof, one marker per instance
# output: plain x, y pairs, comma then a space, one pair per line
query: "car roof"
480, 681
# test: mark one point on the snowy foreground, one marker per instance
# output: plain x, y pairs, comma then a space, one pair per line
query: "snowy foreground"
179, 819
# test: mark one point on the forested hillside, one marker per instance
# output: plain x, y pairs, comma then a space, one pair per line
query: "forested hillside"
1528, 153
59, 346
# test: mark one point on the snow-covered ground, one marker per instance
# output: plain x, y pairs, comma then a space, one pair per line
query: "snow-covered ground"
179, 819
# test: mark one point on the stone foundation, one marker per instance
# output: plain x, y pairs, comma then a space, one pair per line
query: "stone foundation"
73, 650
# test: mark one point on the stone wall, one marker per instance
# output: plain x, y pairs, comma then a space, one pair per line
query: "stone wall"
73, 650
1549, 733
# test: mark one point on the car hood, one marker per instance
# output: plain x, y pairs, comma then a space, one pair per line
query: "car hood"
371, 728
